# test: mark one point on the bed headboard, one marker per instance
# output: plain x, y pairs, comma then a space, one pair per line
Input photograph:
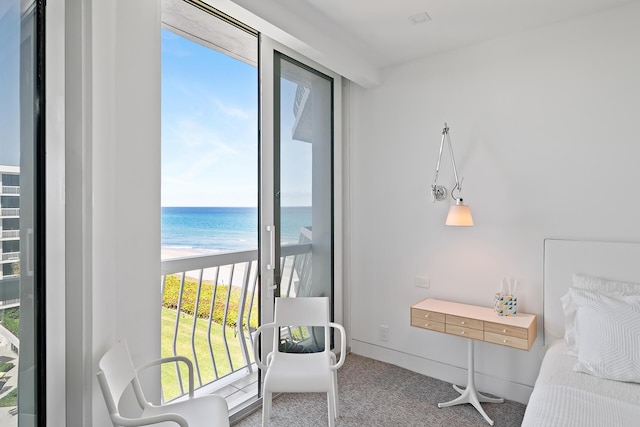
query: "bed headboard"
619, 261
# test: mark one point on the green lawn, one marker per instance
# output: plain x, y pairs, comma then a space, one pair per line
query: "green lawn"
171, 299
11, 399
170, 385
10, 319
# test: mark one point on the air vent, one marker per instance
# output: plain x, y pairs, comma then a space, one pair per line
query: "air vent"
420, 18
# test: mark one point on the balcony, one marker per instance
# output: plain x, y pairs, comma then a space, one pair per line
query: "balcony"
9, 256
10, 212
303, 126
210, 310
10, 234
13, 190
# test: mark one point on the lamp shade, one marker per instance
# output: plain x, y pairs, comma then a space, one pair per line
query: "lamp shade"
459, 215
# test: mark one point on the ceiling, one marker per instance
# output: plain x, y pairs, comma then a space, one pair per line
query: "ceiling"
381, 31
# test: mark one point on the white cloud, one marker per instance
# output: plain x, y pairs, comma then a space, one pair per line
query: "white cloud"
204, 166
233, 112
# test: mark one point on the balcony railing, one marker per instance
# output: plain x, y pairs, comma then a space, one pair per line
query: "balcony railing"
210, 310
9, 303
10, 189
301, 92
10, 212
7, 256
10, 234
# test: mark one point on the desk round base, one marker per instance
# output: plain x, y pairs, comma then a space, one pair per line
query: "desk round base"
471, 394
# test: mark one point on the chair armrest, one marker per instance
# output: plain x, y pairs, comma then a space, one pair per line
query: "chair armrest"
169, 360
256, 347
343, 345
145, 421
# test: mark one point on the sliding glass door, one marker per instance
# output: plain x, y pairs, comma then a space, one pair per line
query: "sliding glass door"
209, 200
22, 397
248, 211
297, 209
303, 176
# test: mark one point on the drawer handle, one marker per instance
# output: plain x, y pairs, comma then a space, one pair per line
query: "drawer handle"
462, 332
426, 324
504, 341
504, 331
426, 316
462, 323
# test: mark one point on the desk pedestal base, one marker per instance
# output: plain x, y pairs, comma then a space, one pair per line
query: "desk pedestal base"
470, 394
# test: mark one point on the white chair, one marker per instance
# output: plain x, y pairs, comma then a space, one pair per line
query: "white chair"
300, 372
117, 373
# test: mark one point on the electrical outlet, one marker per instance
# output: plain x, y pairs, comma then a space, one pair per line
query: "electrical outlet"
383, 333
422, 282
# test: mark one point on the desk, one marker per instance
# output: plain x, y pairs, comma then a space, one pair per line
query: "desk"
474, 323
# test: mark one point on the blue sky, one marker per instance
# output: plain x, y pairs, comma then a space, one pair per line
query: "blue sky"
10, 86
210, 131
209, 125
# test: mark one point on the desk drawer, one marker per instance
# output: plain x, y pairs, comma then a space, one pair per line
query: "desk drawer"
520, 343
510, 331
465, 322
427, 324
427, 315
462, 331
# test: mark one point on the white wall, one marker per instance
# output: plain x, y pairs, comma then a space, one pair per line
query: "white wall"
544, 128
542, 123
126, 182
309, 34
103, 159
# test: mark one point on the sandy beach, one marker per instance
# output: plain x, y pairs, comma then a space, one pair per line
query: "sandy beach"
209, 274
225, 274
173, 252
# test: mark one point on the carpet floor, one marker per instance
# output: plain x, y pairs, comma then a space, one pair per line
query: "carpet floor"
373, 393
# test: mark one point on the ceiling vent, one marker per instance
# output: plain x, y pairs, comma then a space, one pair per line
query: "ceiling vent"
420, 18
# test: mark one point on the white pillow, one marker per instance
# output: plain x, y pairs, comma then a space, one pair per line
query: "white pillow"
605, 286
608, 335
592, 283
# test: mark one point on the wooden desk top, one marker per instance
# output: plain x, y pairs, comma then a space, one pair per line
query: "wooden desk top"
475, 322
485, 314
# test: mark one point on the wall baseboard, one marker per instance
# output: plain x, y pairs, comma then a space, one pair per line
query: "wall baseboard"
442, 371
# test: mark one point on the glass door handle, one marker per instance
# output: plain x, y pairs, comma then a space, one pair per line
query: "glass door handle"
29, 255
272, 247
272, 253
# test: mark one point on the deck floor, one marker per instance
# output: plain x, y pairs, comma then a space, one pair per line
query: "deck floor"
240, 390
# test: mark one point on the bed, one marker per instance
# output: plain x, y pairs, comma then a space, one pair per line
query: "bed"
600, 275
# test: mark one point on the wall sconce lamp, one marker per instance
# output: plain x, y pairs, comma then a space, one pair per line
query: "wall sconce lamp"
459, 214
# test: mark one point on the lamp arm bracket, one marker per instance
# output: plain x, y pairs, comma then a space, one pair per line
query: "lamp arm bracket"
437, 191
457, 187
453, 160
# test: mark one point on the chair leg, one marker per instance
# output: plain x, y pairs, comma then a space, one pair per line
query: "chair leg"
266, 408
335, 394
331, 408
332, 357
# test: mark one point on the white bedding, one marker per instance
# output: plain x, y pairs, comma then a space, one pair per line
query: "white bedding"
562, 397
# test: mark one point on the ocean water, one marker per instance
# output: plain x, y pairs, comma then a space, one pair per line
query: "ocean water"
225, 229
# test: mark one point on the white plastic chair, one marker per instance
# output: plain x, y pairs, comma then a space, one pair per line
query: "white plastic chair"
117, 373
300, 372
